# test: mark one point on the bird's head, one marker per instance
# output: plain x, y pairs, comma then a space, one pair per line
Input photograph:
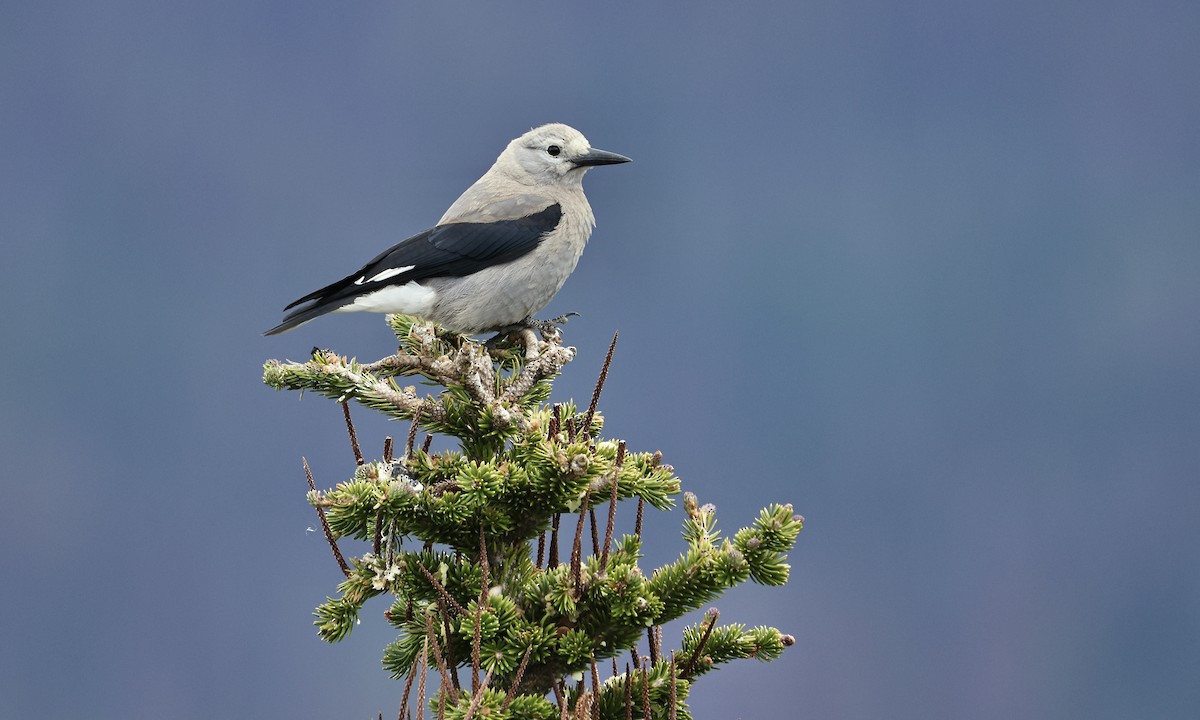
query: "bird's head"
553, 154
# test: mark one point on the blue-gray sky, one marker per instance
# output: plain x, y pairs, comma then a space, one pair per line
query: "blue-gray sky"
929, 271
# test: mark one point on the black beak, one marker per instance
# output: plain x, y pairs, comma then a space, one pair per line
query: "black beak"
599, 157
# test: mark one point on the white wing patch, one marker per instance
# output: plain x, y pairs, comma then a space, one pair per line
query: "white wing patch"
390, 272
410, 299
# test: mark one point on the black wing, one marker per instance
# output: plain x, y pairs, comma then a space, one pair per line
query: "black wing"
452, 250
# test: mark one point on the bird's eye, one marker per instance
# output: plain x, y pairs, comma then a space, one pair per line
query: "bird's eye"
554, 150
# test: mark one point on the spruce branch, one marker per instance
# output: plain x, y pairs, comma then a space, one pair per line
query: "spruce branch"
422, 672
442, 593
591, 411
516, 683
698, 647
358, 456
466, 371
337, 553
459, 540
408, 685
612, 507
412, 436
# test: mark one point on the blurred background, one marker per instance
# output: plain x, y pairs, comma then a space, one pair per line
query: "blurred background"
929, 271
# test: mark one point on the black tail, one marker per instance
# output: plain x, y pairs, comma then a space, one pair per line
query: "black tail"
326, 300
298, 318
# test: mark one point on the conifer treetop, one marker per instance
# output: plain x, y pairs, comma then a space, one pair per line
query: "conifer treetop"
484, 550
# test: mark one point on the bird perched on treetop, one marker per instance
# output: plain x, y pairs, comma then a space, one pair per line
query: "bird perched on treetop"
497, 256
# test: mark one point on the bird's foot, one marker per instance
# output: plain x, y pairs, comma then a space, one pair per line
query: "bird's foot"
451, 338
524, 330
506, 338
549, 328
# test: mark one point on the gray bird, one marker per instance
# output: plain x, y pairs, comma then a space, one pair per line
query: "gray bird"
497, 256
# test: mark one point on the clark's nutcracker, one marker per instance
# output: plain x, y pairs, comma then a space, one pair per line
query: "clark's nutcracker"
497, 256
